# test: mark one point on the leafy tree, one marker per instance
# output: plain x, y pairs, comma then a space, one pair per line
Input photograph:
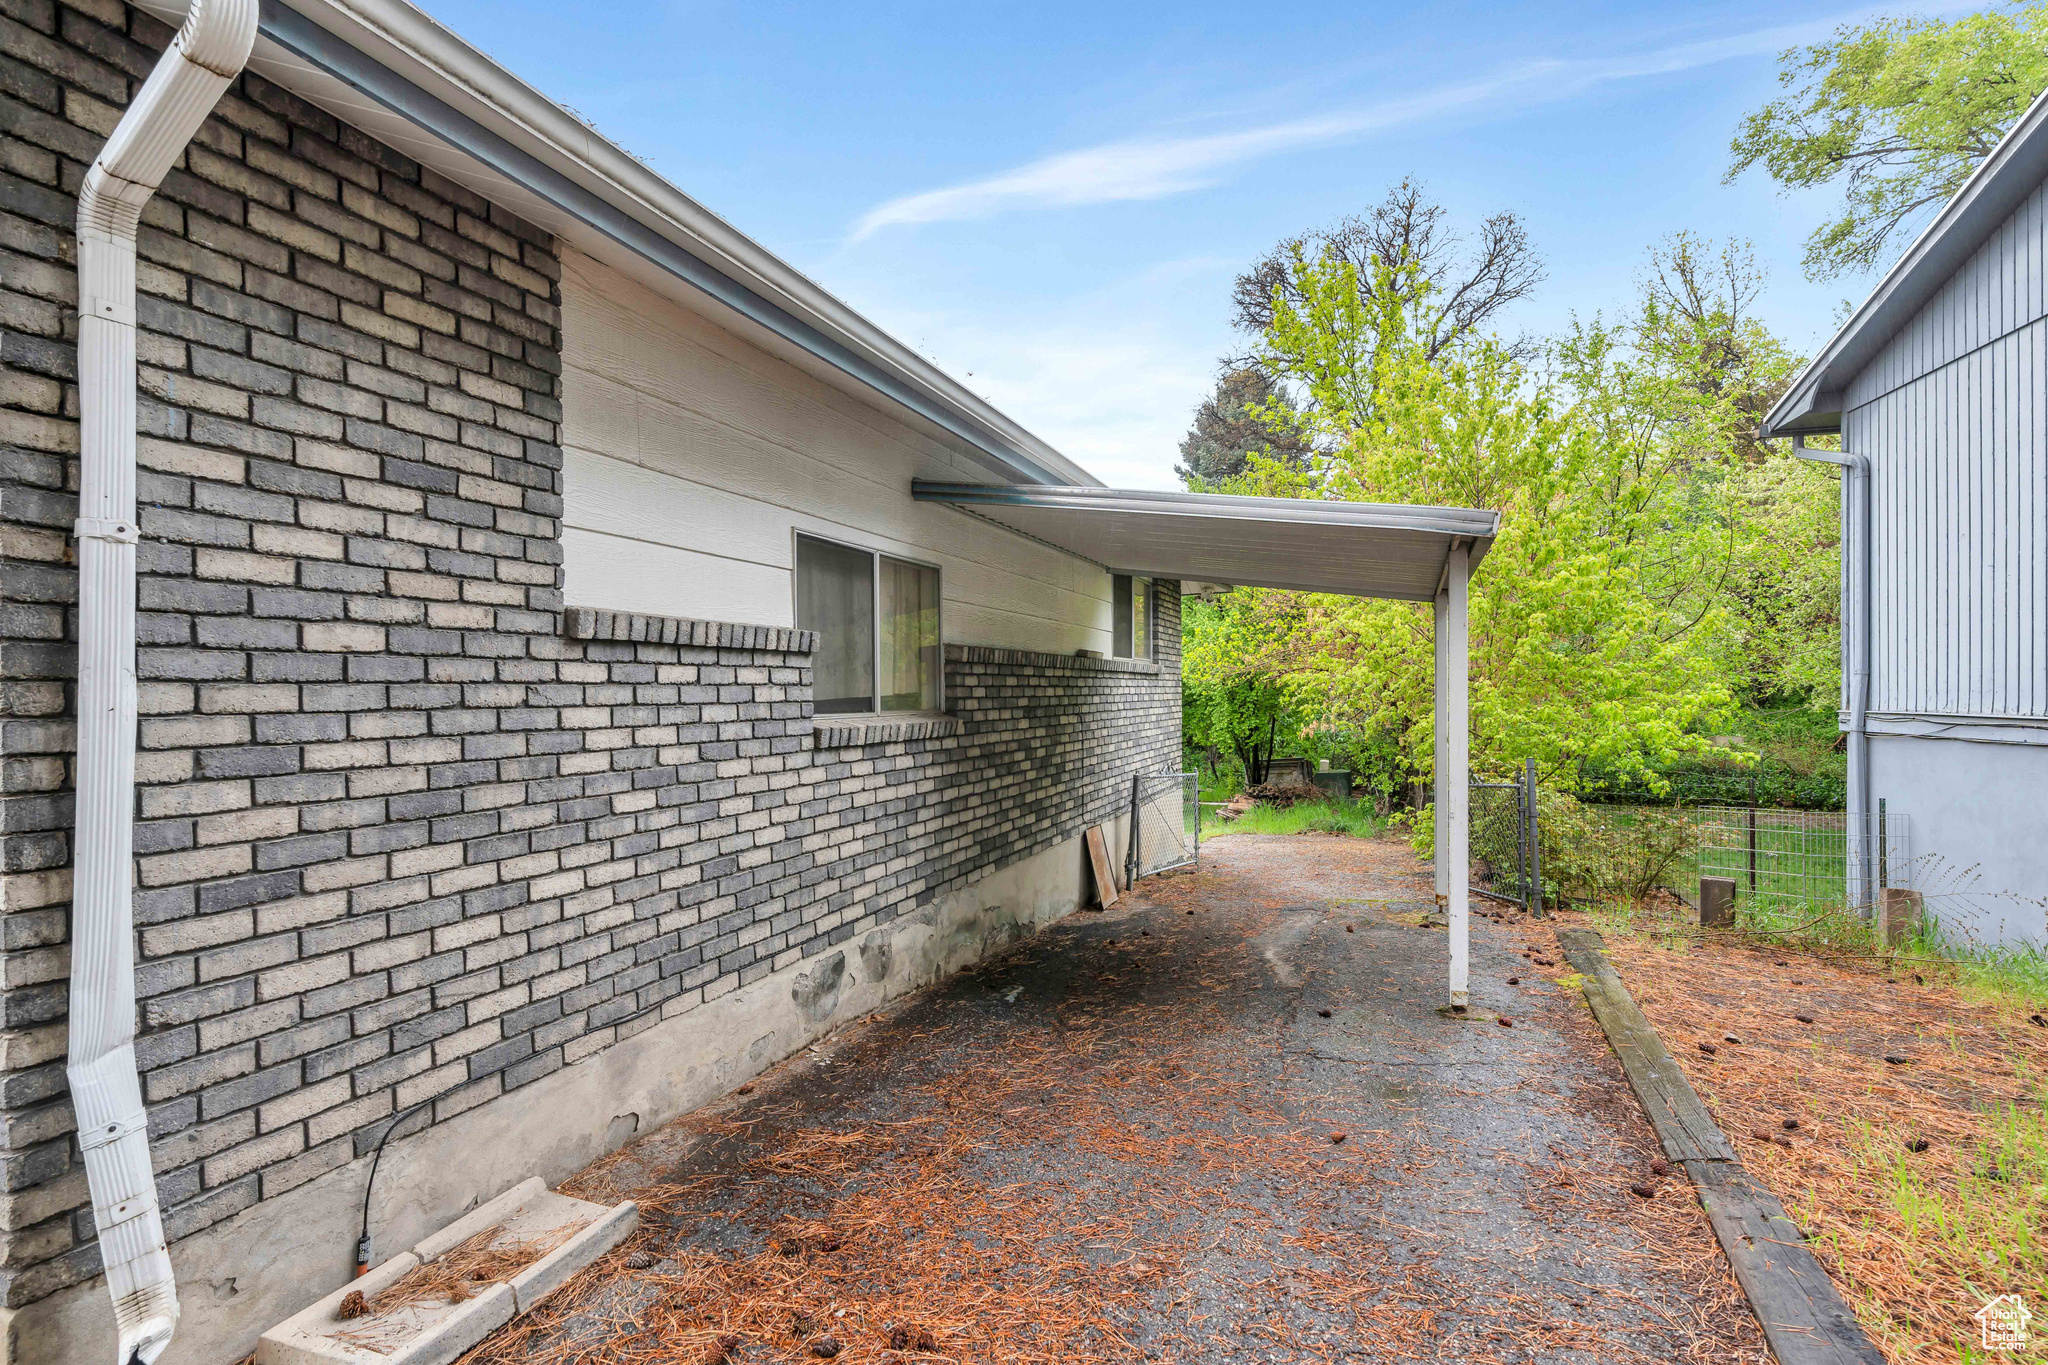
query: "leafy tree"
1245, 414
1899, 110
1230, 698
1573, 660
1682, 382
1424, 258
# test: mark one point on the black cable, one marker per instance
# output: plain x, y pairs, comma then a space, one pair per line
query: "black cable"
363, 1242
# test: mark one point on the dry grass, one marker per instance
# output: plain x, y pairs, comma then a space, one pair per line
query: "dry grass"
1917, 1236
468, 1268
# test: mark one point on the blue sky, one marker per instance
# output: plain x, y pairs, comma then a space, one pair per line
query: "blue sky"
1052, 199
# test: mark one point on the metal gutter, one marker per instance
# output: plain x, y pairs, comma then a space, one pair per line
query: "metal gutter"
194, 71
2016, 165
560, 159
1856, 660
1478, 524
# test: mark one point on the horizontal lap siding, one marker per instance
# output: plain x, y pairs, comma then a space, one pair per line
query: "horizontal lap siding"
692, 458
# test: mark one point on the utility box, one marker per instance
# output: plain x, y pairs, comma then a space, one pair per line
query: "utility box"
1334, 783
1898, 912
1717, 902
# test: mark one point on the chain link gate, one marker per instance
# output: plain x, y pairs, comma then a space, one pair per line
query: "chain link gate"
1166, 824
1505, 861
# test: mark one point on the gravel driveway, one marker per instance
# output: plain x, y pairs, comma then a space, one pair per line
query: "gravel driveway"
1224, 1121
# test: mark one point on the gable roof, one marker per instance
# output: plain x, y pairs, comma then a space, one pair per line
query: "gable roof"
2015, 167
390, 70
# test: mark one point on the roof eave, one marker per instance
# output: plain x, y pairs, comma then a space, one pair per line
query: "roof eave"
411, 47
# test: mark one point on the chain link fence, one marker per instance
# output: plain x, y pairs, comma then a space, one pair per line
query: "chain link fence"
1503, 851
1166, 823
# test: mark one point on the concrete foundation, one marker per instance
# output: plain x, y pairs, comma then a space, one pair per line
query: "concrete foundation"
1974, 831
239, 1277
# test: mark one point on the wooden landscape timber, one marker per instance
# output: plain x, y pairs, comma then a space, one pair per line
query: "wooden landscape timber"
1804, 1318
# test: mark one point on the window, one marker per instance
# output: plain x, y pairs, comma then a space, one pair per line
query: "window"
1131, 616
845, 594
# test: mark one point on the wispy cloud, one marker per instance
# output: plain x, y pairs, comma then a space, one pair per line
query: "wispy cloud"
1154, 168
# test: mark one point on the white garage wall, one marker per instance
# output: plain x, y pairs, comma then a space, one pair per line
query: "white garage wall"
691, 458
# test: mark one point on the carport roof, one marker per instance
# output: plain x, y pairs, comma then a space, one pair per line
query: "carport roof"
1358, 548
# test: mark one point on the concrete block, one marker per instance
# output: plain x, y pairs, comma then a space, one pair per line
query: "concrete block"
552, 1271
303, 1338
1899, 913
436, 1333
1717, 902
488, 1214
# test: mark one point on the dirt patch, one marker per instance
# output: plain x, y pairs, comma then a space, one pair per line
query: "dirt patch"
1223, 1122
1870, 1103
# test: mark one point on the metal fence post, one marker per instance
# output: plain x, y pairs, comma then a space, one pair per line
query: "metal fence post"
1883, 848
1131, 844
1535, 889
1752, 833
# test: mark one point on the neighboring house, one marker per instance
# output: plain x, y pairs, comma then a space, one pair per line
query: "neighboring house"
486, 556
1938, 386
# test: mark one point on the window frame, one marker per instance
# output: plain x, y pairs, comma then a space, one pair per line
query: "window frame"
1123, 617
875, 557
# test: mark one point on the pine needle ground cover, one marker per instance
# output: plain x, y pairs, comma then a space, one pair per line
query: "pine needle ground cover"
1224, 1122
1895, 1106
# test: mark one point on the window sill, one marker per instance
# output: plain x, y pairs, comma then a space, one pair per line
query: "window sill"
852, 731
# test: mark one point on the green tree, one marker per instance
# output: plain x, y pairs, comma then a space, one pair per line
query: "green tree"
1231, 697
1245, 415
1679, 385
1899, 110
1574, 662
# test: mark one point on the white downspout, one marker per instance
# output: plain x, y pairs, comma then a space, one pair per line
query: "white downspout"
106, 1094
1857, 627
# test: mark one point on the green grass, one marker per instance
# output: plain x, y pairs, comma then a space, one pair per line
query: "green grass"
1220, 785
1990, 1220
2011, 976
1309, 817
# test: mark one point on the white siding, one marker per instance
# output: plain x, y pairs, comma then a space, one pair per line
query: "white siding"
691, 458
2002, 288
1951, 414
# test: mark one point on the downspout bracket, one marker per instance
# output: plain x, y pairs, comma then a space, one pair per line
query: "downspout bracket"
106, 528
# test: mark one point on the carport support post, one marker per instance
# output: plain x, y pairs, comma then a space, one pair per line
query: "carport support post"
1453, 772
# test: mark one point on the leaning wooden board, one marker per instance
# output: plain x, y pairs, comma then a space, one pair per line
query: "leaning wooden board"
1098, 861
1804, 1319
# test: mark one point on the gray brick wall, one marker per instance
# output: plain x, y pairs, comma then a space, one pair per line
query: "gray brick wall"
407, 830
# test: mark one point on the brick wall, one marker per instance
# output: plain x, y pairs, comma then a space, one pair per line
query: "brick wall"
349, 490
407, 832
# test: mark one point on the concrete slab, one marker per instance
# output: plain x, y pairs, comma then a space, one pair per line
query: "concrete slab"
550, 1272
437, 1332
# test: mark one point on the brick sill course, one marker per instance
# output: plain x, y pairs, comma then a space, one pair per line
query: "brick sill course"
845, 732
591, 623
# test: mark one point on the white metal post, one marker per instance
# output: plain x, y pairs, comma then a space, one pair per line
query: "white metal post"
1453, 774
1438, 763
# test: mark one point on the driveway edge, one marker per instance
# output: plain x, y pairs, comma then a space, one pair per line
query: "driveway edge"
1804, 1318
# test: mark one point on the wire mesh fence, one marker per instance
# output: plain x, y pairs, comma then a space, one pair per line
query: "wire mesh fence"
1166, 823
1503, 845
1778, 859
1794, 858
